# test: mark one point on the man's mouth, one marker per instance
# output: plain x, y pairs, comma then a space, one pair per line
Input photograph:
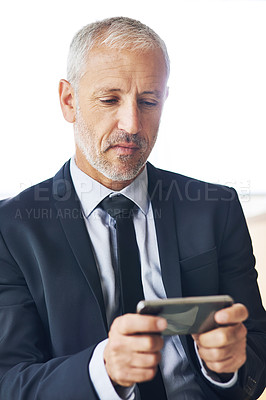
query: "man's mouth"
124, 148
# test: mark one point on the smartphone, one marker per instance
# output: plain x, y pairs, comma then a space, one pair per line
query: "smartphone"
186, 315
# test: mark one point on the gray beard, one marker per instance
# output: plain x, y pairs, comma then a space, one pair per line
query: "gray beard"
129, 166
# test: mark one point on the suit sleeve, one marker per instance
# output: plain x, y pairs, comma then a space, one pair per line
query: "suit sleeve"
27, 370
238, 278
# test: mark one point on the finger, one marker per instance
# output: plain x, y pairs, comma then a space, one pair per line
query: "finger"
129, 376
218, 354
145, 360
146, 343
232, 315
143, 374
151, 343
130, 324
222, 336
228, 365
128, 368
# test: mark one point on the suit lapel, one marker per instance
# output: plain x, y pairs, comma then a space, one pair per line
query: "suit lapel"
70, 215
165, 223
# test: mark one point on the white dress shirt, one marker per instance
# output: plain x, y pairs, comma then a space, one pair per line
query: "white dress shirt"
177, 374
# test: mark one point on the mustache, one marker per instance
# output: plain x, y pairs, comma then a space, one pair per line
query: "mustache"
123, 137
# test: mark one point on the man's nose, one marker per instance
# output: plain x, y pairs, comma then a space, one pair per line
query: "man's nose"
129, 119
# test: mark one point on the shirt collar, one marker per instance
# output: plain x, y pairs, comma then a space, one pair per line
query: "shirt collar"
91, 192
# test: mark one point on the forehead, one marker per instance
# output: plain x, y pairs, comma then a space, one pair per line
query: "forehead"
113, 68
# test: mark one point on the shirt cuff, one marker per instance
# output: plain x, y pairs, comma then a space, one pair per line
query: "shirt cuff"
215, 376
101, 381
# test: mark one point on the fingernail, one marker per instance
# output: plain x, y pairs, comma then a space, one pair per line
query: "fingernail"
161, 324
221, 317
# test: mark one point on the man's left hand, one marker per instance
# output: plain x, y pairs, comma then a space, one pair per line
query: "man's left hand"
223, 350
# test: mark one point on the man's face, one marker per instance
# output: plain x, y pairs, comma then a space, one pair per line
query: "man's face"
119, 106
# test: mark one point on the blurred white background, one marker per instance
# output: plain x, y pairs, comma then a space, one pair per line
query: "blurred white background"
214, 123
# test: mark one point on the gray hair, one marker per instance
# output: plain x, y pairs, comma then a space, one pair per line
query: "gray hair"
118, 33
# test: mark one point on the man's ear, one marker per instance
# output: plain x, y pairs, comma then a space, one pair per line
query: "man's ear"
67, 100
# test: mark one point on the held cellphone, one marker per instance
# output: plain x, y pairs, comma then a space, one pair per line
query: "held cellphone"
186, 315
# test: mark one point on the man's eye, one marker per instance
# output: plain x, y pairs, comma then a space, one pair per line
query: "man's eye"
148, 103
108, 101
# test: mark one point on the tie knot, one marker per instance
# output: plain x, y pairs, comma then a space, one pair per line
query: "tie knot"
118, 206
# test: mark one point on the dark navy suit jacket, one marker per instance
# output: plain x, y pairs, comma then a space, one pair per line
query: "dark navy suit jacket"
51, 305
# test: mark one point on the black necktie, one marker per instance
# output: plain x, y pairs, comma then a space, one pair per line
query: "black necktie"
122, 209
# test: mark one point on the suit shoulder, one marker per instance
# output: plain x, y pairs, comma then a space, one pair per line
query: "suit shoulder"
186, 187
30, 197
41, 192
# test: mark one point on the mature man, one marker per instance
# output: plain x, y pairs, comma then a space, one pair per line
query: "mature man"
67, 326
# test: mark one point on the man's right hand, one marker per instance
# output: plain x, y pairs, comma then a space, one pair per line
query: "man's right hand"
132, 353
